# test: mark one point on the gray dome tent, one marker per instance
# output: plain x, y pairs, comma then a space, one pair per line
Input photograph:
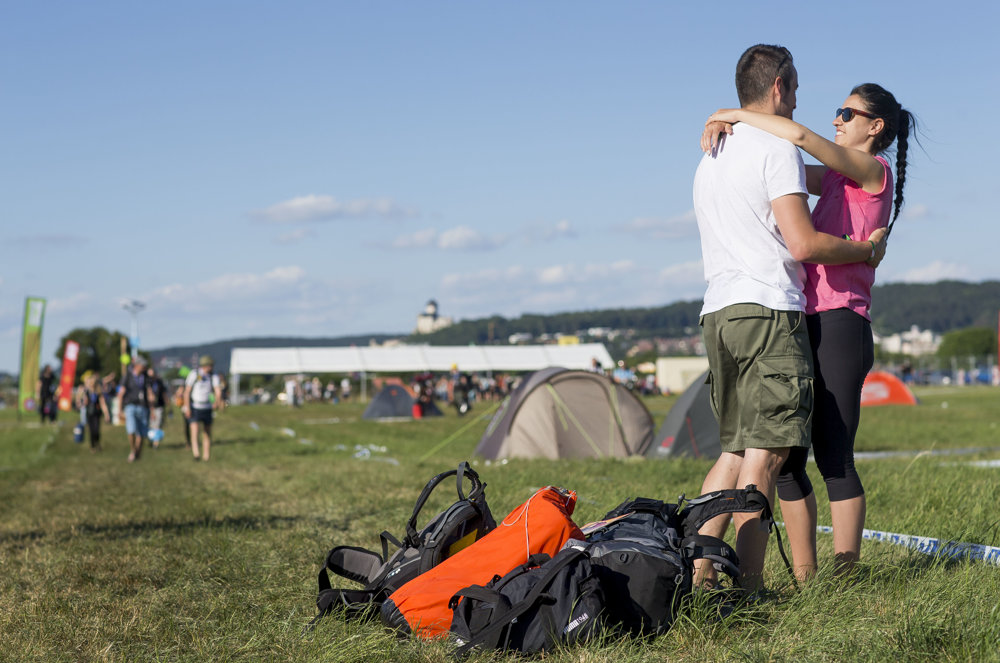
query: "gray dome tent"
690, 428
561, 413
393, 402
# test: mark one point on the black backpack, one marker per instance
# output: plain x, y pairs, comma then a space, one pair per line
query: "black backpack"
535, 607
644, 554
458, 526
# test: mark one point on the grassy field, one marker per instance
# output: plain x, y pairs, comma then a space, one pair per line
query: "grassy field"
167, 559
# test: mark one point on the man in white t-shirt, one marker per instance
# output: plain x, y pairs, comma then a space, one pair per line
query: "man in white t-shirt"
750, 201
202, 395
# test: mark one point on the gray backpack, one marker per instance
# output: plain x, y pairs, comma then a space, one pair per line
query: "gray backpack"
460, 525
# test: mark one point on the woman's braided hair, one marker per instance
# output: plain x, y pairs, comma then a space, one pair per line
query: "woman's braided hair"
899, 123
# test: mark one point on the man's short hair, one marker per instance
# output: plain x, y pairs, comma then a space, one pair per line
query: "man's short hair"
758, 67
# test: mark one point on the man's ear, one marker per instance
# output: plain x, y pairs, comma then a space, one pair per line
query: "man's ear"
777, 91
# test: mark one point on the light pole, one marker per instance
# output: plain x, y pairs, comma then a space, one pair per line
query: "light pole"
134, 306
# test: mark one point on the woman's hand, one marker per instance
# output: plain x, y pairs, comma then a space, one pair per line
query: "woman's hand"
727, 115
880, 236
711, 136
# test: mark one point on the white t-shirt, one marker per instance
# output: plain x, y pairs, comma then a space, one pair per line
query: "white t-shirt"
746, 258
202, 387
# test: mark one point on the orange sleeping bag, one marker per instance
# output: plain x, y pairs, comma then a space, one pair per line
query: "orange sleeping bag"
540, 525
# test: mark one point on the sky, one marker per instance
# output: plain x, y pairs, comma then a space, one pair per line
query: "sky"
310, 168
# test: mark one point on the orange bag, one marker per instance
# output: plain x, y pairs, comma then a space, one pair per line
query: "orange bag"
540, 525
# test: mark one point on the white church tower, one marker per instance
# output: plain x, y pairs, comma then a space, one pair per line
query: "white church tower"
429, 321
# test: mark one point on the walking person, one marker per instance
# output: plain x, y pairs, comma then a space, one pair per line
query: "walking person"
856, 196
45, 394
94, 408
157, 406
202, 395
134, 397
750, 202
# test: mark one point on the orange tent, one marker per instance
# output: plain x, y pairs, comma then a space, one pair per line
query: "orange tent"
883, 388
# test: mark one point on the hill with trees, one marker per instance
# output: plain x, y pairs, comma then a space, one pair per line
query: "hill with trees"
942, 307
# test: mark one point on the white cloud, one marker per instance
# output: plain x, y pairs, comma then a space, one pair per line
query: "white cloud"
562, 229
553, 275
459, 238
683, 226
228, 288
420, 239
516, 289
685, 273
463, 238
936, 271
324, 208
296, 235
77, 302
918, 211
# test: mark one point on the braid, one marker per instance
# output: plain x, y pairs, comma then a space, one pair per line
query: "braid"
899, 124
905, 121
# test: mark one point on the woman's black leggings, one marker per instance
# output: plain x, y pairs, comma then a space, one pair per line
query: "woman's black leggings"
843, 353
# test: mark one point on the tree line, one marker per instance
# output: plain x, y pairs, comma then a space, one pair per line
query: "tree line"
966, 313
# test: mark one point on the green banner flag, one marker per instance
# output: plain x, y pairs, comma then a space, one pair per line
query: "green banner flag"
31, 350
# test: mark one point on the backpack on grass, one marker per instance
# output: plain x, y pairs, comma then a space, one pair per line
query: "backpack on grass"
630, 576
542, 524
539, 605
455, 528
643, 551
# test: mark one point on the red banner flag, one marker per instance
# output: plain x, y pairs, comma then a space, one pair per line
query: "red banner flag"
68, 376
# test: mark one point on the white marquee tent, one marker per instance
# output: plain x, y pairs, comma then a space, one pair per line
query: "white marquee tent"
412, 359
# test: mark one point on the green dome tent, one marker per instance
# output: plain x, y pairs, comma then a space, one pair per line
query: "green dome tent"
561, 413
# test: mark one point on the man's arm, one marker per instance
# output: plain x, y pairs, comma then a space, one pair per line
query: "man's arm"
806, 244
219, 403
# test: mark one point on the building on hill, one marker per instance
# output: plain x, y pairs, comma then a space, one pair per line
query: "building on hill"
429, 321
914, 342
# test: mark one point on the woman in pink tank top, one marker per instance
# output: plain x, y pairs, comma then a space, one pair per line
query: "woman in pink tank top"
856, 192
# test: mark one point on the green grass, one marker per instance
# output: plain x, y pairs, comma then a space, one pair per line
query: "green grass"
171, 560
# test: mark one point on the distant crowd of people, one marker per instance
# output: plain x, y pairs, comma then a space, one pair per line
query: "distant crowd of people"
140, 399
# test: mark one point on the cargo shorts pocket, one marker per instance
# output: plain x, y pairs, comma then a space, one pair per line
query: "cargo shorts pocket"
786, 390
712, 399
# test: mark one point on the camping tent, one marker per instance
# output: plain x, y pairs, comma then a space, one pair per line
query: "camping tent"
883, 388
690, 428
561, 413
393, 402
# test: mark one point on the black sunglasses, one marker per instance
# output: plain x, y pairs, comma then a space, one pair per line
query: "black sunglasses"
849, 113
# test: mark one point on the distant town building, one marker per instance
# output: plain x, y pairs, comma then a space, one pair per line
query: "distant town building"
429, 321
914, 342
520, 338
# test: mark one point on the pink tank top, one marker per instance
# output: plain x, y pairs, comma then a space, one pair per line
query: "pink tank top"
844, 208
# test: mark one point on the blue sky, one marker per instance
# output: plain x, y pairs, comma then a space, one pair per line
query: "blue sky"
325, 168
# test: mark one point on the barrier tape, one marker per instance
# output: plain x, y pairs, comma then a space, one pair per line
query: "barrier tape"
930, 546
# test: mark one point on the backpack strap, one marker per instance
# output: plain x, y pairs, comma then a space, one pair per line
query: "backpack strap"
641, 505
412, 536
357, 564
386, 538
699, 510
355, 602
717, 551
703, 508
498, 632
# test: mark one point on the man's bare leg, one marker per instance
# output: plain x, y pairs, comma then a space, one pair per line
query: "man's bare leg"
722, 476
800, 525
760, 467
194, 439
